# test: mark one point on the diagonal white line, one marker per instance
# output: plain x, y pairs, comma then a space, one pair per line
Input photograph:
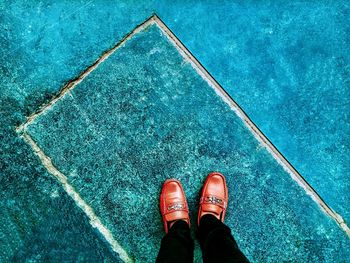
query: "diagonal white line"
187, 55
79, 201
94, 220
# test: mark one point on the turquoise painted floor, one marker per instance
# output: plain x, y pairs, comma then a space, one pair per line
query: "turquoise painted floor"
144, 115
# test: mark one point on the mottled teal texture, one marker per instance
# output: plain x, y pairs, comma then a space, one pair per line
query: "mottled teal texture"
145, 115
286, 63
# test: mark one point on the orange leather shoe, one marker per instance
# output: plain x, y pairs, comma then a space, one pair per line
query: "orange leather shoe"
214, 197
173, 204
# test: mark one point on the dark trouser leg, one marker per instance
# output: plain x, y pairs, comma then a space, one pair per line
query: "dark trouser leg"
177, 245
217, 243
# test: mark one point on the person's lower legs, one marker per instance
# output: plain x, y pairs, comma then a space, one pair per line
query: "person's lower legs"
177, 245
217, 242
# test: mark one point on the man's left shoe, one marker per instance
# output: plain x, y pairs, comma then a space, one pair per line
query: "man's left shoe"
173, 204
214, 197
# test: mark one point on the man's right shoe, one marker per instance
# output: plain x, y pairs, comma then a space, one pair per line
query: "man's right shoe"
173, 204
214, 197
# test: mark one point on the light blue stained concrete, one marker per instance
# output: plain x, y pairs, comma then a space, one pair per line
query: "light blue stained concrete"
145, 115
264, 53
43, 44
291, 59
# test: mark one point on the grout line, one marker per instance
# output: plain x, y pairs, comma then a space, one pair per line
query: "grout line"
288, 167
94, 220
71, 84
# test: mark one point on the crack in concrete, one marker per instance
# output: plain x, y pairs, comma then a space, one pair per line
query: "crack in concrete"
287, 166
73, 83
